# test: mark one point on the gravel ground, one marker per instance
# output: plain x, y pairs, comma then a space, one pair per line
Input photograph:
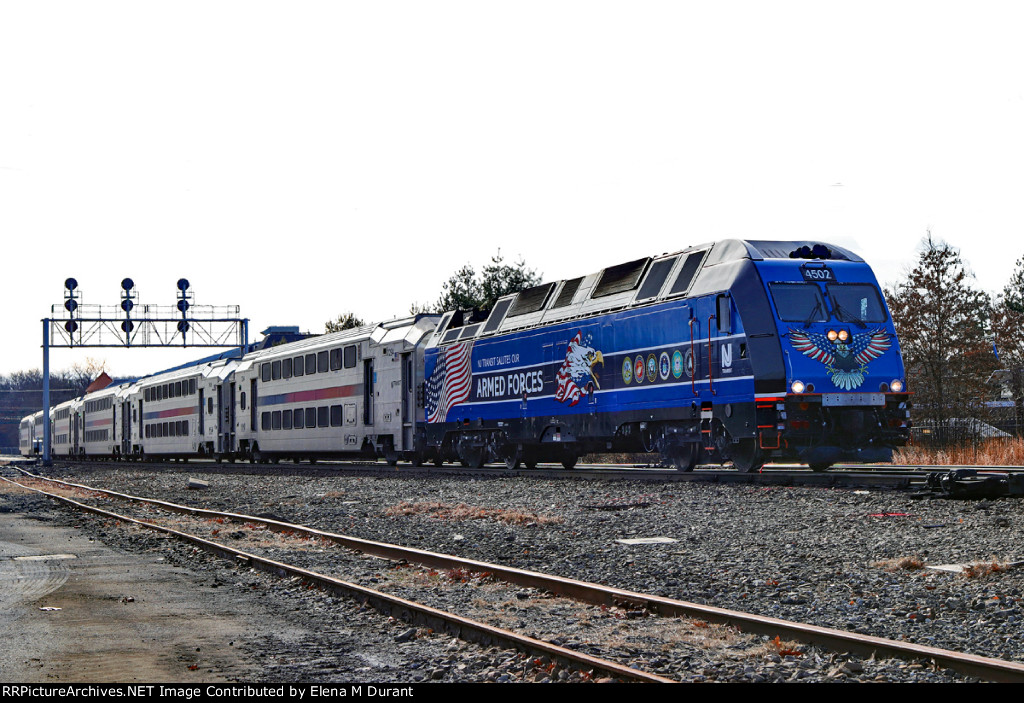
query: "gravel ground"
834, 557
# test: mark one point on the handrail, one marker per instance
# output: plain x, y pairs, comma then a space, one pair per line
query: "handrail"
693, 359
711, 386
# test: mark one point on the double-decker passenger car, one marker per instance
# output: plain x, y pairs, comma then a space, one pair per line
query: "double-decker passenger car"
345, 394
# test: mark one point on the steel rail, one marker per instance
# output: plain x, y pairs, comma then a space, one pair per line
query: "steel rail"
838, 640
462, 627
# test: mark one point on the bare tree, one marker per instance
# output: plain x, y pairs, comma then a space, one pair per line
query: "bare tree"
1008, 328
942, 321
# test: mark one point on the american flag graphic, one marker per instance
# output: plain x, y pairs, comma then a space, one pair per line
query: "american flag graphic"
450, 382
567, 388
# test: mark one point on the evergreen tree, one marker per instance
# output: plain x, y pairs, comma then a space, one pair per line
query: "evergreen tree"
465, 289
344, 321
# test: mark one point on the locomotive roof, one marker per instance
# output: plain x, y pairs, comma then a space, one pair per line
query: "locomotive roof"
638, 282
730, 249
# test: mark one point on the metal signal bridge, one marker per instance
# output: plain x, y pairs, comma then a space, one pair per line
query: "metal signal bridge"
131, 324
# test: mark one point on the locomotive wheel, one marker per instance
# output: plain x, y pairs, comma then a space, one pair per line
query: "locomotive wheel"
438, 461
820, 466
473, 457
684, 457
569, 460
747, 457
512, 457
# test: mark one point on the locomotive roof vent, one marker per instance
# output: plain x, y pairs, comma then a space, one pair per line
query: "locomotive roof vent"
819, 251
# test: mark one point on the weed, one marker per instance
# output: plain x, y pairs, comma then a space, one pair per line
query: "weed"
980, 569
900, 564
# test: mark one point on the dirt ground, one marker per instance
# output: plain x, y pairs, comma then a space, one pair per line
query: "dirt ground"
72, 609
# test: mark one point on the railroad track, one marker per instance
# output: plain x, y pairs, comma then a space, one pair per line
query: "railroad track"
888, 476
404, 609
837, 640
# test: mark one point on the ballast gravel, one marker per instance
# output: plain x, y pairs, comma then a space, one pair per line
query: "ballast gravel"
836, 557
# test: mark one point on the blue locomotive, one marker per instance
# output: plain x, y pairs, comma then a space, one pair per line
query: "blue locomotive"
737, 351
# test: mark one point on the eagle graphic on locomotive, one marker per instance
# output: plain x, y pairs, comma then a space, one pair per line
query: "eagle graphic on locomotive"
736, 352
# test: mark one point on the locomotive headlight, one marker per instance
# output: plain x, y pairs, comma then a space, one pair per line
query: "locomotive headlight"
843, 335
896, 386
797, 387
832, 334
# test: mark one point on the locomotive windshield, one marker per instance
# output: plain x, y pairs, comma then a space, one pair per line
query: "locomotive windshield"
799, 302
856, 302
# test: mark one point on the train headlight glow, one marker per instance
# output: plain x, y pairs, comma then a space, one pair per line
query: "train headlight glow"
843, 335
832, 334
797, 387
896, 386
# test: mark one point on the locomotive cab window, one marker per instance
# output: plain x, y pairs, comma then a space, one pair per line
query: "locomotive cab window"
856, 302
799, 302
723, 314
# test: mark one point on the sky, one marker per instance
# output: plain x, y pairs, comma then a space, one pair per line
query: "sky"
304, 159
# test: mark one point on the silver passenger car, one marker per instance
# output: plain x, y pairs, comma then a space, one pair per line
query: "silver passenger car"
347, 394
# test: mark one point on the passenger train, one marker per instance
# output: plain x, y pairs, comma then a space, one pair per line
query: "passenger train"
738, 352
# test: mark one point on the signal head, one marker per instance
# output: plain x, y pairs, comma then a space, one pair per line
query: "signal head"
183, 305
71, 304
127, 304
71, 326
127, 284
183, 326
183, 284
70, 284
127, 326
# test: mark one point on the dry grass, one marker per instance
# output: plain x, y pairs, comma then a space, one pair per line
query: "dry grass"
778, 646
993, 452
461, 511
981, 569
900, 564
